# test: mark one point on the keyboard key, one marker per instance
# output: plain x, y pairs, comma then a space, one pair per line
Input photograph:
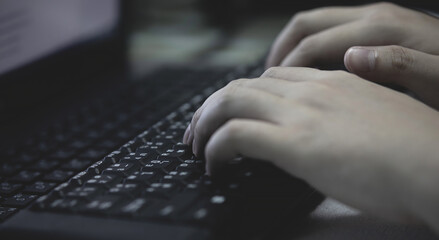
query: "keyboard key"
39, 188
160, 190
85, 193
172, 208
26, 158
19, 200
80, 178
9, 189
64, 204
133, 207
44, 165
101, 204
120, 169
164, 165
178, 177
76, 164
9, 169
99, 166
176, 154
6, 212
58, 176
62, 154
143, 178
25, 176
93, 154
127, 189
106, 181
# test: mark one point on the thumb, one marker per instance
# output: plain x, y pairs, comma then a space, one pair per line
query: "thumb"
414, 70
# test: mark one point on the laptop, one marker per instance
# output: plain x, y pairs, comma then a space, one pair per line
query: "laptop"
88, 154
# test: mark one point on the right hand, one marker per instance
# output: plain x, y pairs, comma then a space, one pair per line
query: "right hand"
322, 36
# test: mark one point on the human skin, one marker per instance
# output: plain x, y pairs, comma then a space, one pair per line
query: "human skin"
366, 145
402, 44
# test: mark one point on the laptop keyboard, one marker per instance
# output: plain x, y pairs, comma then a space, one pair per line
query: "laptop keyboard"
105, 161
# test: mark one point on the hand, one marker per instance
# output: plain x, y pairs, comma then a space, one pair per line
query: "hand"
322, 36
363, 144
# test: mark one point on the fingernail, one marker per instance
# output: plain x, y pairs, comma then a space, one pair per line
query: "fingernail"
195, 147
359, 59
186, 134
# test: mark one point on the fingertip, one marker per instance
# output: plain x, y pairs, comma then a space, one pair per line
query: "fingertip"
360, 59
186, 134
346, 59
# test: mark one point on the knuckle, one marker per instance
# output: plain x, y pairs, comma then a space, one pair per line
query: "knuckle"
383, 6
401, 58
231, 129
299, 19
271, 72
306, 45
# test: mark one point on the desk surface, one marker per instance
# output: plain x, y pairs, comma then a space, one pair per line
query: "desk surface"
333, 220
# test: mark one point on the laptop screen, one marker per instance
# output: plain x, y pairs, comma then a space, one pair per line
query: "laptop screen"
29, 32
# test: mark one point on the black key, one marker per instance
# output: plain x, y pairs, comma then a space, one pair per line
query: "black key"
76, 164
106, 181
101, 204
80, 178
25, 176
151, 150
161, 126
9, 169
19, 200
63, 189
109, 143
137, 158
161, 145
178, 177
143, 178
115, 156
210, 212
174, 207
44, 165
65, 204
26, 158
79, 144
99, 166
195, 166
86, 193
131, 146
145, 136
176, 154
58, 176
62, 154
160, 190
124, 134
127, 189
163, 165
133, 207
182, 146
9, 189
120, 169
39, 188
6, 212
93, 154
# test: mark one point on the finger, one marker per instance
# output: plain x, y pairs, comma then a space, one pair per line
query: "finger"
293, 74
250, 138
414, 70
186, 134
240, 102
196, 116
329, 46
308, 23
